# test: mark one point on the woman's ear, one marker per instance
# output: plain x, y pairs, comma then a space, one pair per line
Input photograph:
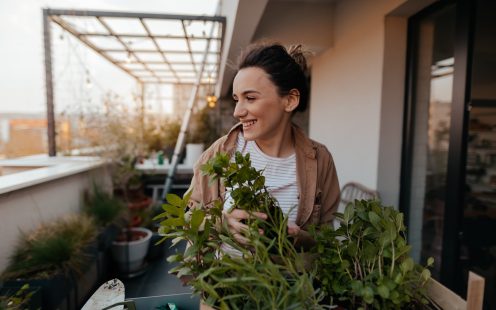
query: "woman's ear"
293, 100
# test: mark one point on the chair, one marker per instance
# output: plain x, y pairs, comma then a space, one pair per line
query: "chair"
352, 191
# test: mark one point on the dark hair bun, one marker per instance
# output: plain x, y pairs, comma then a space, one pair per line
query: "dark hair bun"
299, 55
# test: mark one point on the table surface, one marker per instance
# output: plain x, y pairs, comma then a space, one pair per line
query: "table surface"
150, 166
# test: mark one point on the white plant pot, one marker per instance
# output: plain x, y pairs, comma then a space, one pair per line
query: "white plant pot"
193, 152
130, 255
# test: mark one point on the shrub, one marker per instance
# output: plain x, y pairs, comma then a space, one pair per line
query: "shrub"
52, 249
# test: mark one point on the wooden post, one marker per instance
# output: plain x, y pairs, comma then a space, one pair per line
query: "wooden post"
447, 299
475, 291
52, 149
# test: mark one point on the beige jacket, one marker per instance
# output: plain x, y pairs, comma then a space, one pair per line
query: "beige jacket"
317, 180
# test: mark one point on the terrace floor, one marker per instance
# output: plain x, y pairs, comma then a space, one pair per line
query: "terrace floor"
156, 280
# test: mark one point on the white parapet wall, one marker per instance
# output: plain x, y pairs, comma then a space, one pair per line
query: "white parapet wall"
52, 189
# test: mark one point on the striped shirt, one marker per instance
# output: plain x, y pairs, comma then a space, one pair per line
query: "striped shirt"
279, 173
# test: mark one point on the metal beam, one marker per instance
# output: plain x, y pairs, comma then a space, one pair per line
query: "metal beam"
142, 36
189, 46
165, 70
59, 21
158, 49
85, 13
127, 49
117, 50
52, 148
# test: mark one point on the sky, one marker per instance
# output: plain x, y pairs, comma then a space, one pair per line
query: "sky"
22, 80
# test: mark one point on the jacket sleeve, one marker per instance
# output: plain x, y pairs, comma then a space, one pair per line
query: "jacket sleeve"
328, 200
330, 192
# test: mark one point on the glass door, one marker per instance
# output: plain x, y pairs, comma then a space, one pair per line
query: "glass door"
430, 103
448, 189
478, 227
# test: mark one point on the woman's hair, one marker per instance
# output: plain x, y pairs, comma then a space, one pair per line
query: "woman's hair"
286, 68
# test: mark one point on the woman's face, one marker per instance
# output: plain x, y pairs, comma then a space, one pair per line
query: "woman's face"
263, 113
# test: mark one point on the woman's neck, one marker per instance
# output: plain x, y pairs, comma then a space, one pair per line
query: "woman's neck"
280, 145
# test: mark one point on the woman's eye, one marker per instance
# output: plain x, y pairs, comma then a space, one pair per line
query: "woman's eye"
250, 98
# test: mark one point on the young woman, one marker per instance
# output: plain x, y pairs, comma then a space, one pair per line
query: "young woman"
269, 88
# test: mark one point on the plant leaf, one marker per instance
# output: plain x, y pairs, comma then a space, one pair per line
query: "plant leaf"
174, 200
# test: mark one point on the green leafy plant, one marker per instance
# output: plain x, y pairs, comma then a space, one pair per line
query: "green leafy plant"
202, 128
247, 187
161, 133
126, 178
268, 273
18, 300
55, 248
365, 263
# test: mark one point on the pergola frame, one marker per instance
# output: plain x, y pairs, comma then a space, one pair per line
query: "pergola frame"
59, 17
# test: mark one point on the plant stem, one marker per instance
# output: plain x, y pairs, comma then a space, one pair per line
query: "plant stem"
393, 259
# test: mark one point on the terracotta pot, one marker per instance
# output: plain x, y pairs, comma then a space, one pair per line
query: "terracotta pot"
140, 204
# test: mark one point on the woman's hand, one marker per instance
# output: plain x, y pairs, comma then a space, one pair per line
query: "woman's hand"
233, 220
293, 229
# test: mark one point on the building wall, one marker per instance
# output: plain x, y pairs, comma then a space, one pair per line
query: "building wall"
346, 89
290, 23
30, 207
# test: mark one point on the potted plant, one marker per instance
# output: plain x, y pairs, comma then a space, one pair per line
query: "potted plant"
130, 247
365, 263
55, 257
106, 210
269, 274
129, 250
161, 135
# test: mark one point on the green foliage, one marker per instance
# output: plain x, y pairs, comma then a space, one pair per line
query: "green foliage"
161, 133
19, 300
102, 207
365, 263
202, 129
125, 177
58, 247
248, 191
258, 278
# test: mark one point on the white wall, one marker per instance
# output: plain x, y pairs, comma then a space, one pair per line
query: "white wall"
345, 109
307, 23
25, 209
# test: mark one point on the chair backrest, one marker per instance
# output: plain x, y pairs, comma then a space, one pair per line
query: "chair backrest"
352, 191
447, 299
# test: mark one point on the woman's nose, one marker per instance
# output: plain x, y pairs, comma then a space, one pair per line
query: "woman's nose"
239, 110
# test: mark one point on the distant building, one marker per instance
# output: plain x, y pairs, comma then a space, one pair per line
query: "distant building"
26, 137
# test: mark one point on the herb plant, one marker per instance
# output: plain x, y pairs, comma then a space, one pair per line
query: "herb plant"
248, 191
255, 279
365, 263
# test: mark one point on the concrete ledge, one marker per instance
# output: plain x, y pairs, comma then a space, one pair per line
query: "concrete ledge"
44, 169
